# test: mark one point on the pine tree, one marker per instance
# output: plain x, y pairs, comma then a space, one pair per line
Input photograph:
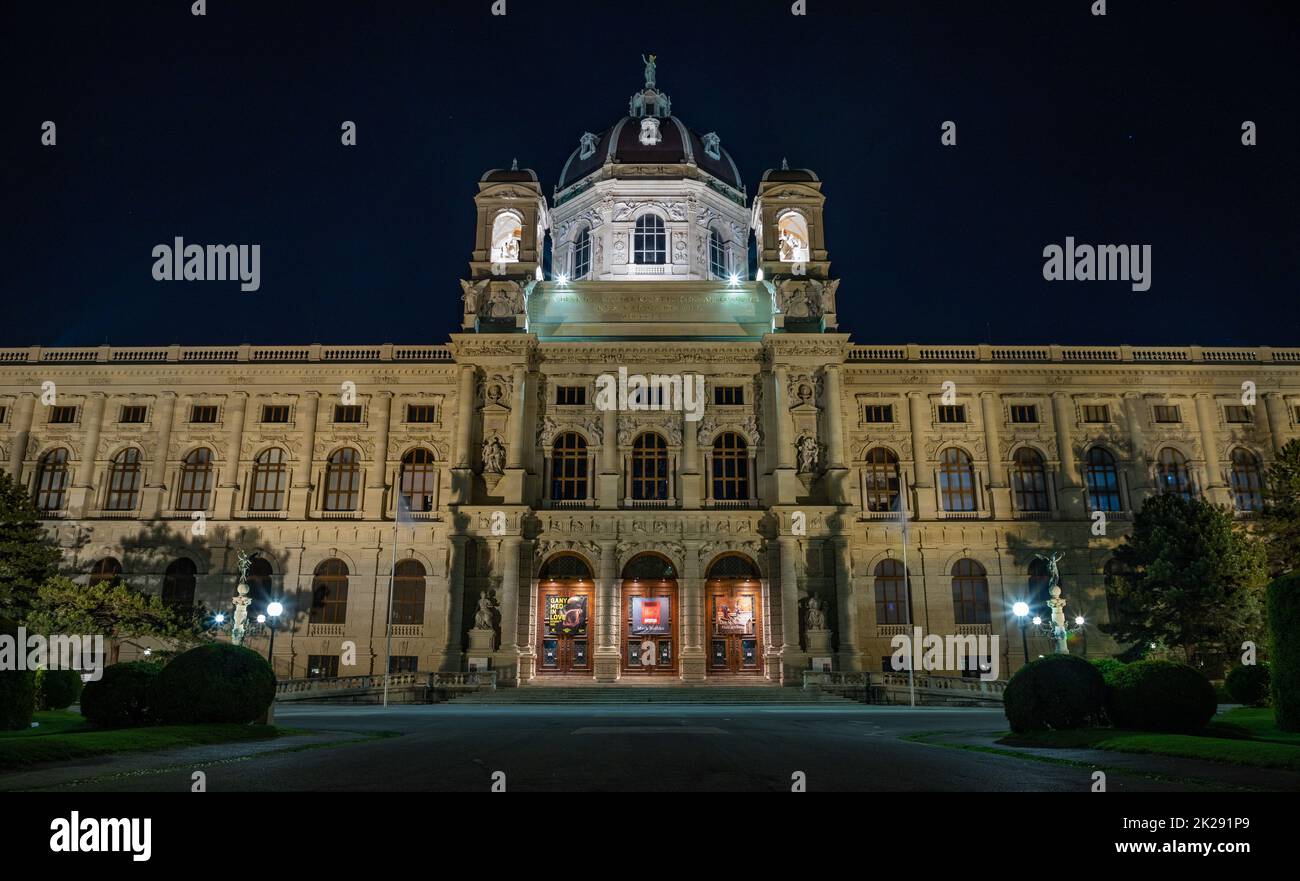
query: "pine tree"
1279, 526
27, 555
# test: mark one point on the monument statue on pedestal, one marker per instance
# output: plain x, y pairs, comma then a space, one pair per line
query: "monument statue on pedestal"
242, 600
483, 617
815, 618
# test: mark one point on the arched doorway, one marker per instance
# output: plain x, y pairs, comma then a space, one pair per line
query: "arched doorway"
650, 616
734, 596
565, 607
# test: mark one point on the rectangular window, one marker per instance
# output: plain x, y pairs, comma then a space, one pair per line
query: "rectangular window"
1024, 413
952, 413
203, 413
1238, 414
1096, 413
571, 395
1166, 413
421, 413
275, 413
347, 413
878, 413
63, 415
404, 664
322, 666
132, 414
728, 395
3, 410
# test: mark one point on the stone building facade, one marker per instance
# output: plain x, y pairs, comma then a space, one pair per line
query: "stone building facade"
617, 543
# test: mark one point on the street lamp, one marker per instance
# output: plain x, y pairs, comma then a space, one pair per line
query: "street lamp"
1021, 610
274, 609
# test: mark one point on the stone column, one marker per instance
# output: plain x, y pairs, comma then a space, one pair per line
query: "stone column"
1275, 412
452, 656
689, 473
381, 415
308, 410
792, 657
81, 499
1212, 485
847, 600
609, 655
155, 493
508, 653
837, 471
1139, 470
610, 465
785, 482
918, 408
518, 424
1070, 496
999, 489
691, 624
462, 474
229, 499
22, 423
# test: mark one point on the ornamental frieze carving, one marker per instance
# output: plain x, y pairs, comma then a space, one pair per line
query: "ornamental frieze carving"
669, 425
804, 388
972, 443
753, 548
542, 550
673, 550
397, 445
254, 441
328, 442
746, 425
563, 353
590, 426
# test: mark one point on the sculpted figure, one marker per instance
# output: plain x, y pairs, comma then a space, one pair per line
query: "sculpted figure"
806, 449
815, 618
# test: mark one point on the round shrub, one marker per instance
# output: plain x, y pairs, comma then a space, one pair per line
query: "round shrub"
218, 682
1248, 684
1108, 667
59, 689
1055, 692
1284, 650
1160, 696
17, 689
120, 697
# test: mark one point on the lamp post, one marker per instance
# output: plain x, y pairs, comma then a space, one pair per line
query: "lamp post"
274, 610
1021, 610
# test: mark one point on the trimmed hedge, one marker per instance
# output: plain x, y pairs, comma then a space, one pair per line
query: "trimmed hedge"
218, 682
1248, 684
1284, 650
58, 689
17, 689
1108, 667
1160, 696
120, 698
1055, 692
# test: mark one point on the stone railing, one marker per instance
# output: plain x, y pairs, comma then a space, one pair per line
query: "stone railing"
372, 685
33, 355
1075, 354
893, 686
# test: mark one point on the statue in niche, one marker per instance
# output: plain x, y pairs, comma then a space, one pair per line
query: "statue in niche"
815, 618
472, 296
807, 452
483, 617
494, 455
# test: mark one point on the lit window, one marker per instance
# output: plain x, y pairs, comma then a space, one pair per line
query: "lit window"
1172, 473
730, 467
419, 480
123, 481
650, 241
343, 480
569, 467
1024, 413
1103, 481
196, 481
1029, 480
880, 473
956, 480
507, 234
970, 593
792, 232
717, 256
582, 254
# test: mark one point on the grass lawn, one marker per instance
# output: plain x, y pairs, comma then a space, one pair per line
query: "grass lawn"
64, 735
1239, 737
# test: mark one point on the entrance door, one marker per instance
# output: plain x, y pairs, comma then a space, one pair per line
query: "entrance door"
735, 626
650, 616
564, 614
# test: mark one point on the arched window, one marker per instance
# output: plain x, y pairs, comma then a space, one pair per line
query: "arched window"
649, 241
565, 566
718, 256
880, 476
105, 570
649, 467
569, 467
792, 232
1029, 480
408, 593
261, 586
123, 481
582, 253
270, 479
507, 234
970, 593
648, 567
419, 480
343, 480
196, 481
893, 593
956, 480
1246, 484
329, 593
178, 583
52, 480
733, 566
1103, 480
1172, 474
730, 467
1039, 580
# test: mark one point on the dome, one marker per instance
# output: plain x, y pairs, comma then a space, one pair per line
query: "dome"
621, 143
514, 174
786, 174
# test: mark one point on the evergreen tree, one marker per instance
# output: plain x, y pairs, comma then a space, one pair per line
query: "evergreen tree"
28, 557
1279, 526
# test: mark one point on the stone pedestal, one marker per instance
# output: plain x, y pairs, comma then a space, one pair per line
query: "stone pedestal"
819, 643
481, 643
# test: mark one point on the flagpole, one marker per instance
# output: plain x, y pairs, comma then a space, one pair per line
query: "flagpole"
392, 575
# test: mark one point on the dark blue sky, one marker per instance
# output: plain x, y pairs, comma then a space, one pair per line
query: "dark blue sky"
225, 128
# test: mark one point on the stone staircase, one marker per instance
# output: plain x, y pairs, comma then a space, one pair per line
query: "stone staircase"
637, 694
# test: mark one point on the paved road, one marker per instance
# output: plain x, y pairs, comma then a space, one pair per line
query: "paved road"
620, 748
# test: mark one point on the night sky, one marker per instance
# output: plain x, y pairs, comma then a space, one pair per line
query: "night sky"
225, 129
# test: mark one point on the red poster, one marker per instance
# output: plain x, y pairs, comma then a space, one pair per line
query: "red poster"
650, 613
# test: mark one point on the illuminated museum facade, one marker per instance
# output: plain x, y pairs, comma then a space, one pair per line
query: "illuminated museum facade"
620, 544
